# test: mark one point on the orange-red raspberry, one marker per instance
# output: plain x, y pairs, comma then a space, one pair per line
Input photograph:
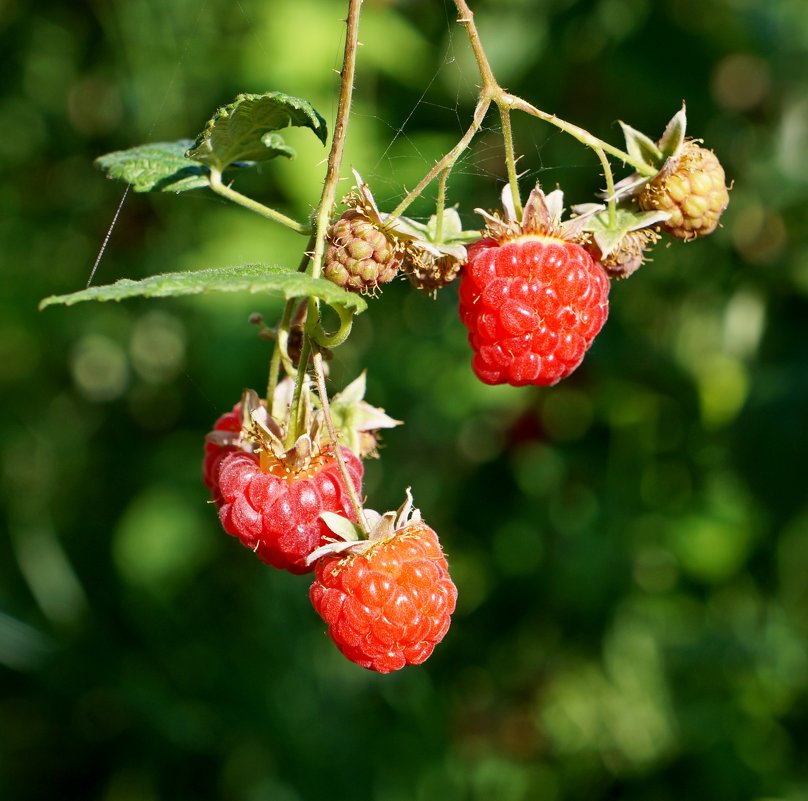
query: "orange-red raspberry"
390, 605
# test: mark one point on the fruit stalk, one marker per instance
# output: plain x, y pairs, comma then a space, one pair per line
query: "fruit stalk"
448, 161
491, 91
319, 375
338, 141
510, 158
221, 188
322, 217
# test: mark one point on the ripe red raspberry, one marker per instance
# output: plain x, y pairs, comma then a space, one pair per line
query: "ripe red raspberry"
274, 508
532, 305
390, 605
216, 451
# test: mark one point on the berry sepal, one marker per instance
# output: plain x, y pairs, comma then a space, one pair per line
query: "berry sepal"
381, 527
387, 600
686, 180
357, 422
620, 241
433, 252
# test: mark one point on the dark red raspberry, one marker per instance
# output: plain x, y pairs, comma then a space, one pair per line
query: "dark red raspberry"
215, 451
390, 605
275, 509
532, 305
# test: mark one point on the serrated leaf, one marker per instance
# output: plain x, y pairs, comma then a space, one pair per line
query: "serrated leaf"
244, 278
673, 136
242, 130
642, 147
157, 167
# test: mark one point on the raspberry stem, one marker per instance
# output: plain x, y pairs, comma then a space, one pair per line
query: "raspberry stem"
281, 353
491, 91
335, 155
218, 186
510, 160
440, 205
294, 429
326, 204
448, 161
319, 374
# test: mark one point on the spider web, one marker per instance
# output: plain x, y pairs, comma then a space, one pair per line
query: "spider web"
403, 156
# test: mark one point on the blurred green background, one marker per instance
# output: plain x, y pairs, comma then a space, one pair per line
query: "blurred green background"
631, 547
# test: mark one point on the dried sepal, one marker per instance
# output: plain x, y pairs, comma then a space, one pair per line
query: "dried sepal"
382, 527
356, 421
542, 214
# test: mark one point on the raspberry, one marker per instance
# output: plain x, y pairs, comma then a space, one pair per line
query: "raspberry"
360, 256
215, 451
390, 605
429, 273
273, 508
691, 187
532, 306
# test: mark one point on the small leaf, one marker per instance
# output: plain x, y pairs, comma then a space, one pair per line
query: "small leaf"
673, 136
242, 130
341, 526
274, 141
157, 167
244, 278
608, 236
641, 147
451, 226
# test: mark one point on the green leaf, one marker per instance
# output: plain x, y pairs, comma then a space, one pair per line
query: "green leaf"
244, 278
673, 137
157, 167
641, 147
242, 130
608, 235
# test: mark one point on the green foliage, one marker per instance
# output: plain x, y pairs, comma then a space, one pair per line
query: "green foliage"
251, 278
158, 167
245, 129
165, 167
631, 547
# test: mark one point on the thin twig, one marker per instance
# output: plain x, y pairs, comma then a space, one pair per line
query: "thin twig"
338, 142
218, 186
356, 502
448, 161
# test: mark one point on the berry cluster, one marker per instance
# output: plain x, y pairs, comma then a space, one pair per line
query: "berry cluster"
534, 289
533, 295
385, 593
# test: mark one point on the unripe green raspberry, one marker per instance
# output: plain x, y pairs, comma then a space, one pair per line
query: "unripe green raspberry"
692, 188
360, 256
